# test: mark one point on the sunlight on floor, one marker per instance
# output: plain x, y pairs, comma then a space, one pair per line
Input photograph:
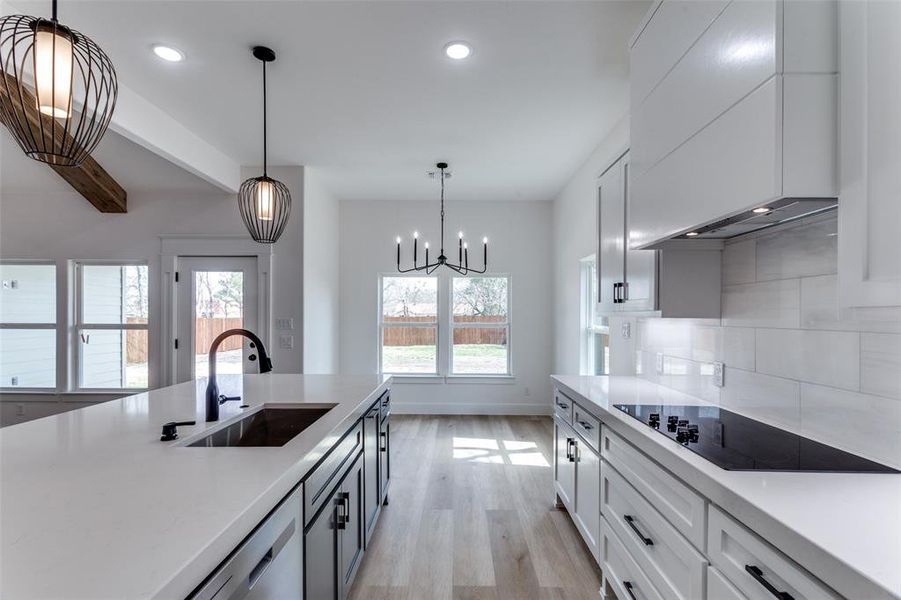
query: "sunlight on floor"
499, 452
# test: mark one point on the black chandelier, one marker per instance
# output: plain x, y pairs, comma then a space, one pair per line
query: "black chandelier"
58, 90
462, 264
265, 202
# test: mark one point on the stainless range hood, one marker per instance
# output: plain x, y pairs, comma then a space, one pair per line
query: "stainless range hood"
777, 212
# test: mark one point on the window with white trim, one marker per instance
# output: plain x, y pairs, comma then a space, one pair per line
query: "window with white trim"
408, 325
111, 325
28, 325
595, 333
480, 323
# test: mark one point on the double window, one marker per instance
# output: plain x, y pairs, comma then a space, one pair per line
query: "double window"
103, 345
431, 325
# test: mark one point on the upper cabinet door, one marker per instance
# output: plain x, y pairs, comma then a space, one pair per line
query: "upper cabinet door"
869, 210
640, 274
611, 213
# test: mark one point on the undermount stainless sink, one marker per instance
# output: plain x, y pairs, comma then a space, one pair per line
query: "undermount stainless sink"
270, 426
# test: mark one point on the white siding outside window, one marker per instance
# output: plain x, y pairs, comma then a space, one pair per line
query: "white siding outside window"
111, 333
27, 326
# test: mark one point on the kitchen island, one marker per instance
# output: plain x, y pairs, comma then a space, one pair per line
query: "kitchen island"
94, 505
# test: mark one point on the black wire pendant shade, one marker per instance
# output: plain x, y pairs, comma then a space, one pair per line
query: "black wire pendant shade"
462, 265
58, 89
265, 203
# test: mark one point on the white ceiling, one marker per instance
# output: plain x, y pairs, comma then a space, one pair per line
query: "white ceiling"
363, 92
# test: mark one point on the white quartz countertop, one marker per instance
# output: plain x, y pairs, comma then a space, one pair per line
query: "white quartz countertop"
845, 528
94, 505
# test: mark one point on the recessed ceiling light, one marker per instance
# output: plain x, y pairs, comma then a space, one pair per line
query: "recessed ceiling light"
457, 50
168, 53
761, 210
692, 233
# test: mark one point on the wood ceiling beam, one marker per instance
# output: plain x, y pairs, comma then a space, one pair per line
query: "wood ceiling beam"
89, 179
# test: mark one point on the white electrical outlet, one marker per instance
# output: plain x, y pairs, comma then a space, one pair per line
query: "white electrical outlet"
20, 410
718, 369
528, 392
627, 330
284, 324
13, 380
286, 342
659, 363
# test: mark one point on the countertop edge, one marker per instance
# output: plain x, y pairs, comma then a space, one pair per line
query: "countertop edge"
211, 556
827, 567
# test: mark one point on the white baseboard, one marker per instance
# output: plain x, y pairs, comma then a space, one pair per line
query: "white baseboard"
469, 408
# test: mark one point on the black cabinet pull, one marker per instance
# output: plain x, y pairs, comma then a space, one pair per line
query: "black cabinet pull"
757, 574
631, 521
384, 437
628, 586
570, 446
616, 293
586, 425
562, 404
341, 516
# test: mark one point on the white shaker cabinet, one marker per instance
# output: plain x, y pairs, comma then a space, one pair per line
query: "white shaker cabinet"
735, 107
680, 280
869, 209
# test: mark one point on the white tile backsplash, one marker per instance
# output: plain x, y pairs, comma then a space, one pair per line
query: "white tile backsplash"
880, 364
793, 358
764, 304
806, 250
869, 425
824, 357
773, 400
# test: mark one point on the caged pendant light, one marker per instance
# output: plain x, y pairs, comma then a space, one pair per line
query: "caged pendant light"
58, 89
265, 202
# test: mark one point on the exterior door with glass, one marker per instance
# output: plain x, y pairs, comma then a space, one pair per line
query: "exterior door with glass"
214, 294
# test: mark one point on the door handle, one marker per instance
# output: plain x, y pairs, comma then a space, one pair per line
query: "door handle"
631, 521
571, 449
757, 574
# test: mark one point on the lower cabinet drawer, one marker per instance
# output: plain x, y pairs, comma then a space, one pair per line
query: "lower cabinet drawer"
563, 407
621, 571
759, 571
319, 483
676, 568
587, 426
684, 508
719, 588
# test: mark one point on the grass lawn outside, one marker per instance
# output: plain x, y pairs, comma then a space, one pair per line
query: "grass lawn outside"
476, 359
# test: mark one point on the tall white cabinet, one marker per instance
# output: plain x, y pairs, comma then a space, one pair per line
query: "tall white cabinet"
869, 212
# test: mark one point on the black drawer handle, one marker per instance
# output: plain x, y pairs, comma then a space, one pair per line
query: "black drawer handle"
628, 585
586, 425
562, 404
631, 521
757, 574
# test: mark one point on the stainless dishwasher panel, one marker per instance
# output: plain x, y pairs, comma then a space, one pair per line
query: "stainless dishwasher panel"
268, 564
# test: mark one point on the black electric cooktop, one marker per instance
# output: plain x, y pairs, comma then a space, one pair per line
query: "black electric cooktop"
737, 443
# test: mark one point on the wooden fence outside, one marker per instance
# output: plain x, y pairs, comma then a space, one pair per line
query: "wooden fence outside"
421, 336
205, 331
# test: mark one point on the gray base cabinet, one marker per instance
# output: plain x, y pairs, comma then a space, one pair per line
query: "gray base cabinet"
371, 498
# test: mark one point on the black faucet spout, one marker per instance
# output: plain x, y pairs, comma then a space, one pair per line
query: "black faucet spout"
212, 388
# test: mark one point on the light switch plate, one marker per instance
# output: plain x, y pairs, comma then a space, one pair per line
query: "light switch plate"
286, 342
718, 370
284, 324
660, 363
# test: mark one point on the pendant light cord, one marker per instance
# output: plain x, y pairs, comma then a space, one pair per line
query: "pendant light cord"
264, 118
442, 211
54, 10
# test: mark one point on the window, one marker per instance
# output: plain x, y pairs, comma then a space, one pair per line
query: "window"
111, 331
481, 326
595, 337
409, 325
28, 326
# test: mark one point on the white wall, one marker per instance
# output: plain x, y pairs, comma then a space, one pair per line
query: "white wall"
321, 280
519, 234
792, 357
575, 237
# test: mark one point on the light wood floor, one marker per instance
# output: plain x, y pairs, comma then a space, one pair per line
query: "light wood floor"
471, 516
